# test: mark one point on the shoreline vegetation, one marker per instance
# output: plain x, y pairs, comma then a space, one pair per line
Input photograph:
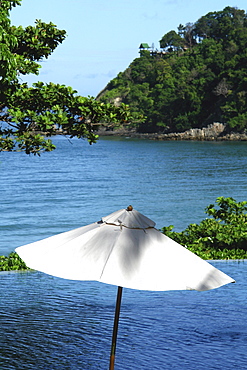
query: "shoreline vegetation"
221, 237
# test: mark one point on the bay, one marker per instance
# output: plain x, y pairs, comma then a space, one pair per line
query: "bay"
170, 182
50, 323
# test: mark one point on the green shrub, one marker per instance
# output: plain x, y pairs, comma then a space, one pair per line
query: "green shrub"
222, 237
12, 262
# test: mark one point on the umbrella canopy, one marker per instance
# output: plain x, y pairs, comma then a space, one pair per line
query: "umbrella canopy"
126, 250
122, 249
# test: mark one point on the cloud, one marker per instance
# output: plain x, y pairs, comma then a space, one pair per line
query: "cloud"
89, 76
111, 73
92, 75
150, 16
160, 16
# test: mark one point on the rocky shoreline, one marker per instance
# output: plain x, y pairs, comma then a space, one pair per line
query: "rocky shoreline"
213, 132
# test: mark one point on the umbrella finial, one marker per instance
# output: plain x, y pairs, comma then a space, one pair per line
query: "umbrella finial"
129, 208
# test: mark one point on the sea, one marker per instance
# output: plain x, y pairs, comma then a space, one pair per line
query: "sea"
48, 323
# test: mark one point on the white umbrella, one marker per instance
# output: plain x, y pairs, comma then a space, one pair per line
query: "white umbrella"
126, 250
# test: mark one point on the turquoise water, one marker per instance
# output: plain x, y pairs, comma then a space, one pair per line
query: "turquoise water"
50, 323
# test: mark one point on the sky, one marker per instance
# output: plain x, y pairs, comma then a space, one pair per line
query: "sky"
103, 37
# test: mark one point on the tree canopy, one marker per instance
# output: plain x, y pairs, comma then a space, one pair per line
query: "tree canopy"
198, 77
31, 114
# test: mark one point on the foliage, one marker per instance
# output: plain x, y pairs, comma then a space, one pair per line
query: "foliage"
199, 77
27, 112
224, 236
12, 262
171, 41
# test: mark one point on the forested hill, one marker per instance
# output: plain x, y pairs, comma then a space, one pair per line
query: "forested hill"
199, 76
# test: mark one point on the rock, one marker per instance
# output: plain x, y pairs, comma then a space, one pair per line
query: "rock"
215, 131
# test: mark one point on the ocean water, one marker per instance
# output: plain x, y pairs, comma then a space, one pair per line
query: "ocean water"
51, 323
77, 184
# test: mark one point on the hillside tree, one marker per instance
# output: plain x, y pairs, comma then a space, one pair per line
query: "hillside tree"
198, 78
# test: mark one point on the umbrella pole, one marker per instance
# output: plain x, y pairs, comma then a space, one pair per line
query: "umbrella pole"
115, 328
